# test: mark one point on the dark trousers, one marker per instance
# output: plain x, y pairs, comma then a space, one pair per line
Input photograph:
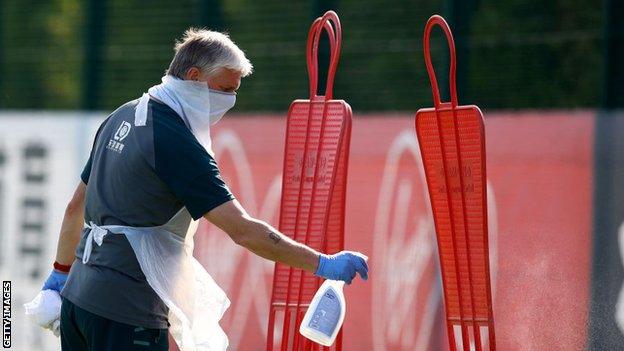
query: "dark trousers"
84, 331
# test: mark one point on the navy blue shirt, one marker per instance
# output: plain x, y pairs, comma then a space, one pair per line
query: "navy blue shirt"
140, 176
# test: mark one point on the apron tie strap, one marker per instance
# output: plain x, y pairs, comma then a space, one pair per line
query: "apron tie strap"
96, 233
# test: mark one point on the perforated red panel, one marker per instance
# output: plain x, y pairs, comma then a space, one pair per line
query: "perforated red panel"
452, 145
460, 234
313, 193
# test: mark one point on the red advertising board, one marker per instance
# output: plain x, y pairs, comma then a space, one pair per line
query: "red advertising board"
539, 204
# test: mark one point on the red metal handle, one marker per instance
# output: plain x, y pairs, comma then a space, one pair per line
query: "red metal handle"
438, 20
331, 24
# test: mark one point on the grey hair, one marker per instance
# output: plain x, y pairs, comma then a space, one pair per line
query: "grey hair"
209, 51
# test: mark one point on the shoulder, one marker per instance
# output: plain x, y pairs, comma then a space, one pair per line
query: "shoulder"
168, 126
163, 114
173, 140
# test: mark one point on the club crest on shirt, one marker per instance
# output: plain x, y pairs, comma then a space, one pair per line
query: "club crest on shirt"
121, 133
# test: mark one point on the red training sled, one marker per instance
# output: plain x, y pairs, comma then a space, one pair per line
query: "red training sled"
452, 145
313, 191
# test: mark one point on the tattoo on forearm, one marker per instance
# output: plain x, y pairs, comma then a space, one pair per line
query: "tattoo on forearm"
274, 237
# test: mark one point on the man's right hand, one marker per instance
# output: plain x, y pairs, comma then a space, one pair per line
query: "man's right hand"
266, 241
342, 266
56, 281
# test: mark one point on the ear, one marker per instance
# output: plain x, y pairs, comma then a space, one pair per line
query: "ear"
193, 73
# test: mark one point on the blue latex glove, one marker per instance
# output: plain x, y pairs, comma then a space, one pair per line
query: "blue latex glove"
56, 281
342, 266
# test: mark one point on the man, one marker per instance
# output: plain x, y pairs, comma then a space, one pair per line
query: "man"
151, 174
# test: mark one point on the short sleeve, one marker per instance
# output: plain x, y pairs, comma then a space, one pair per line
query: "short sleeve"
182, 163
86, 171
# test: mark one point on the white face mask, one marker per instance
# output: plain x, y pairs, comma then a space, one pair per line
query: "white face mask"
198, 105
220, 103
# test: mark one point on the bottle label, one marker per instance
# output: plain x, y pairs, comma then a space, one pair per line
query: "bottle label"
327, 313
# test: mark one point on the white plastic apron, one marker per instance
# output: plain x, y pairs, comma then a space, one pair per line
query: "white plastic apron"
196, 303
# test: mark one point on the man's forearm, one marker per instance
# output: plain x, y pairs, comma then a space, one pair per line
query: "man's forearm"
266, 241
71, 227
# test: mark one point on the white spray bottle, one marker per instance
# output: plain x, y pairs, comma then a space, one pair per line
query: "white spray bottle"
325, 315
